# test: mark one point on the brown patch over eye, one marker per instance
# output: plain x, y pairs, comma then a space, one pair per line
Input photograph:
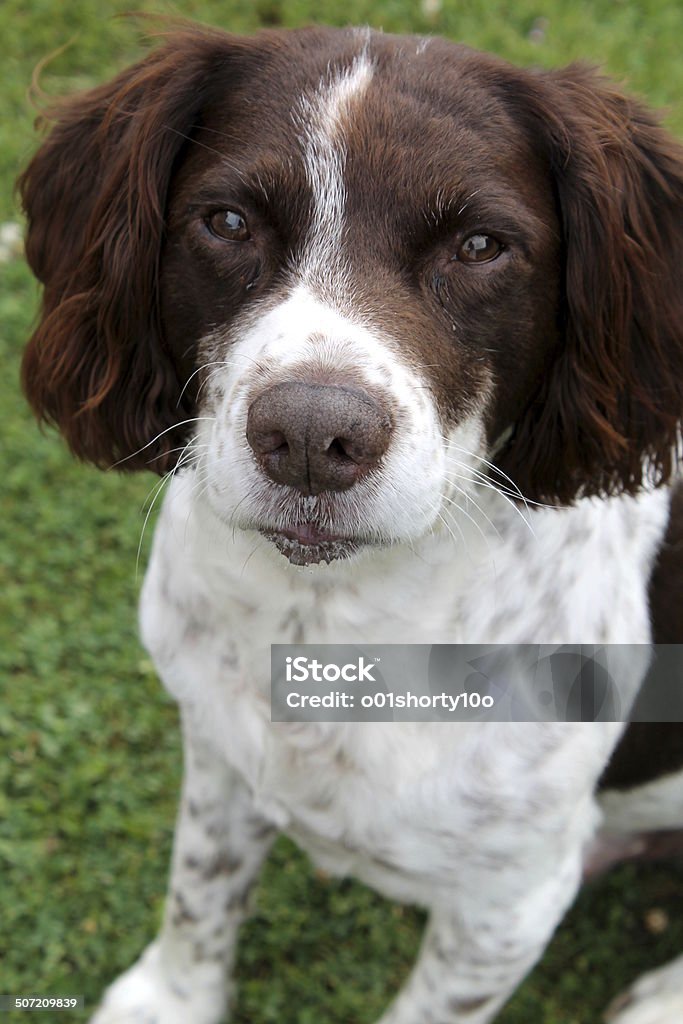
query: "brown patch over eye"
228, 225
479, 249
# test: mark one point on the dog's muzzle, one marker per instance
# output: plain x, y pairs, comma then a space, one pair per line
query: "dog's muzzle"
319, 440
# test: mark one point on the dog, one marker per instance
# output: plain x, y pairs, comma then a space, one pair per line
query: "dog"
403, 324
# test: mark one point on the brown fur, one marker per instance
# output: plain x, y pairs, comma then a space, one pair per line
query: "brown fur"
649, 750
614, 396
587, 334
95, 195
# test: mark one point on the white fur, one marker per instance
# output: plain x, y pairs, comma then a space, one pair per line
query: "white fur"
657, 805
486, 827
321, 120
460, 819
656, 998
415, 485
455, 817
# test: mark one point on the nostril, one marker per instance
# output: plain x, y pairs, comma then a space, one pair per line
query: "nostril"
275, 442
340, 449
268, 442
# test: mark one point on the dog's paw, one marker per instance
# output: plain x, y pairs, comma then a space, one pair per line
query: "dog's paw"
656, 998
145, 995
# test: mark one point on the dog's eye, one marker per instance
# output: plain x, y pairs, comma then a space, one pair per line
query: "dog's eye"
479, 249
228, 225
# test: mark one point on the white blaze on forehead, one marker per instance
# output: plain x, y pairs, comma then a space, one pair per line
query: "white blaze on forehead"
322, 118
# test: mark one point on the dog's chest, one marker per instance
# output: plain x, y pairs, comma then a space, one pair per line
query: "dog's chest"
403, 806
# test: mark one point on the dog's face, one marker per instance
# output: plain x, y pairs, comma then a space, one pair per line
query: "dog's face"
356, 274
363, 266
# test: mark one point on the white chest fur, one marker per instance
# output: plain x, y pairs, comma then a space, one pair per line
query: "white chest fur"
388, 802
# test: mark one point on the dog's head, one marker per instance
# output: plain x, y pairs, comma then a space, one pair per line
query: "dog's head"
349, 271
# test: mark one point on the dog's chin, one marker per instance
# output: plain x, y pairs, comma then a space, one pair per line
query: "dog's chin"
307, 544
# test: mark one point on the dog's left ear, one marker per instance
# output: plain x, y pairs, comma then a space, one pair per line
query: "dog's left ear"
607, 417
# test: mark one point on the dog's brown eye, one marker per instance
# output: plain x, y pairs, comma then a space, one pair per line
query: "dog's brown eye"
479, 249
229, 225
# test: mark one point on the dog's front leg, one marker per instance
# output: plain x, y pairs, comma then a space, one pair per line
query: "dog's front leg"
472, 958
220, 843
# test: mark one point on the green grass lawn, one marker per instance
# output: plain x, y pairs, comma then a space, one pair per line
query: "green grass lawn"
89, 750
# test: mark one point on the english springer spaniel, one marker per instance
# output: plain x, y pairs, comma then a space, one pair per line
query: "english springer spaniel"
404, 324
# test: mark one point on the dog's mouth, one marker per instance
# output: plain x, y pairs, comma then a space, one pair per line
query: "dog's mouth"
308, 544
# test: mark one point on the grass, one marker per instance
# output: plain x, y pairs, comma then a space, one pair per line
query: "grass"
89, 753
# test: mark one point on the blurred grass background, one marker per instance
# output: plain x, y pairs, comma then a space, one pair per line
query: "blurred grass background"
89, 751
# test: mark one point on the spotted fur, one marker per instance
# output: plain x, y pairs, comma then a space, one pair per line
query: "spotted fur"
234, 216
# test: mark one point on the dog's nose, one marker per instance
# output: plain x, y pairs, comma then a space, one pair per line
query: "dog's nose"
317, 437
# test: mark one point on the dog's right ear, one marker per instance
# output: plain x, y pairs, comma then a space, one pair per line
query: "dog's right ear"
95, 197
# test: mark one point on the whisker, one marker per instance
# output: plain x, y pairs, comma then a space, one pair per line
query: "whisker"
209, 149
486, 462
513, 491
486, 481
202, 486
214, 362
166, 479
481, 480
153, 490
202, 472
468, 497
467, 201
259, 543
182, 423
487, 485
462, 511
457, 526
182, 448
234, 512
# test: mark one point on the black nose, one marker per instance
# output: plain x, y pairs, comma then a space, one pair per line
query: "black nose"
317, 437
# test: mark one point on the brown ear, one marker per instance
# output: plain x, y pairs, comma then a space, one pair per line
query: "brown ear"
95, 195
607, 416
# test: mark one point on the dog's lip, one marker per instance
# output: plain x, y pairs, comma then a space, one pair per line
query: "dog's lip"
308, 534
308, 544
